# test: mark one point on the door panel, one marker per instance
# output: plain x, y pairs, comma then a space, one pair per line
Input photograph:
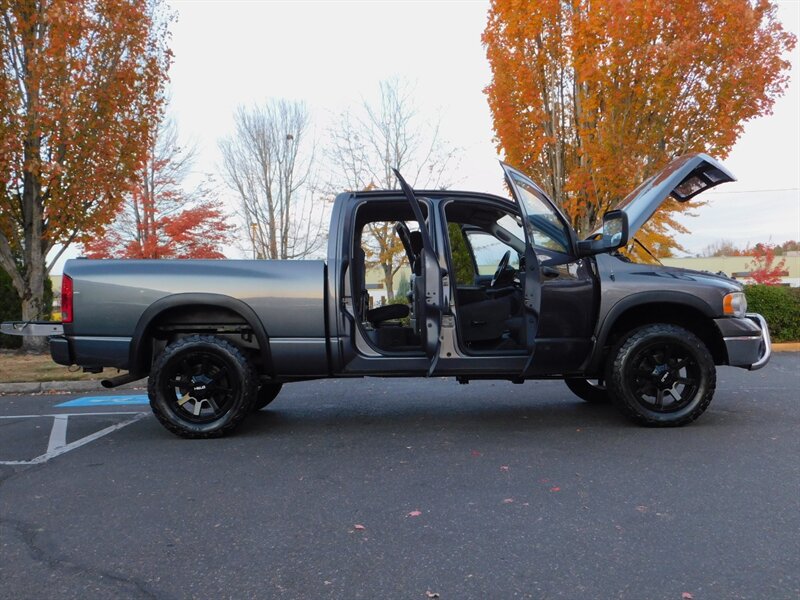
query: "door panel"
428, 285
569, 307
533, 277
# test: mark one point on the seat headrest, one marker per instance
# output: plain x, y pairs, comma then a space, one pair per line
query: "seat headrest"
416, 242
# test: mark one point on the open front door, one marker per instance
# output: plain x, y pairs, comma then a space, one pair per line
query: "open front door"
522, 189
427, 284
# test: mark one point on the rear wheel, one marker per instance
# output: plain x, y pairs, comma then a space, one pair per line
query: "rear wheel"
590, 390
201, 387
661, 375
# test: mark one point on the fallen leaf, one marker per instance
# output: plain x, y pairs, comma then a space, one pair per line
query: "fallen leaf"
414, 513
555, 488
686, 596
359, 527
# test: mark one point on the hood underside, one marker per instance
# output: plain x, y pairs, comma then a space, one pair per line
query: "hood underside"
682, 179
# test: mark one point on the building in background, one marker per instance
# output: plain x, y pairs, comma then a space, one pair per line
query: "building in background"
739, 267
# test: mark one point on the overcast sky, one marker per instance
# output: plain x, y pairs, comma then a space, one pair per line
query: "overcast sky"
333, 54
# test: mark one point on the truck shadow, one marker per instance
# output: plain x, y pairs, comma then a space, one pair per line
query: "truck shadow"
431, 417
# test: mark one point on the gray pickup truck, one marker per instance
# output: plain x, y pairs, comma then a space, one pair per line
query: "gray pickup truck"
219, 339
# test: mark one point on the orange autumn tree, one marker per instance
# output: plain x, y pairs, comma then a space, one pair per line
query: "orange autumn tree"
592, 97
159, 218
80, 86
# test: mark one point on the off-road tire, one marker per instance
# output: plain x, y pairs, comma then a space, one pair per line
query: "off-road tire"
267, 392
205, 367
646, 360
588, 391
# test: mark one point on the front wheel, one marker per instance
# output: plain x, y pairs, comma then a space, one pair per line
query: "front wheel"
661, 375
201, 387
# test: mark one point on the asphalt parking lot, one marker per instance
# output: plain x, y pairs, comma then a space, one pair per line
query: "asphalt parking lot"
407, 489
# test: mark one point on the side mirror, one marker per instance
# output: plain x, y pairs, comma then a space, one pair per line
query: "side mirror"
615, 235
615, 229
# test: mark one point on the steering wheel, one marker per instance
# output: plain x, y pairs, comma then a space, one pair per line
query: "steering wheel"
405, 238
500, 268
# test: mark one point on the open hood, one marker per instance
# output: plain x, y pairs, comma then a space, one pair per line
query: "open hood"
683, 179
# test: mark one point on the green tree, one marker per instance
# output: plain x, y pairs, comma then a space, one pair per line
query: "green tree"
462, 259
403, 288
11, 307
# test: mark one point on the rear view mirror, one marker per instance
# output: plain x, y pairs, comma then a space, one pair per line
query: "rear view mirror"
615, 235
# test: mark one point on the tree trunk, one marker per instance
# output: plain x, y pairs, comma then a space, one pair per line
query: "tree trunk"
33, 306
388, 281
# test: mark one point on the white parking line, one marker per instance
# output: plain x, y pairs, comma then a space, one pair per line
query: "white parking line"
58, 435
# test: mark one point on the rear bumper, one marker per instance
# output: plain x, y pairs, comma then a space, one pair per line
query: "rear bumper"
59, 351
746, 340
91, 351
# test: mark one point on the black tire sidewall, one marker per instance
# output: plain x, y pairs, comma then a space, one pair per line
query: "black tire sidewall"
619, 385
238, 368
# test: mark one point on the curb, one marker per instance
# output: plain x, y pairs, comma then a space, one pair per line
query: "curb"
786, 347
44, 387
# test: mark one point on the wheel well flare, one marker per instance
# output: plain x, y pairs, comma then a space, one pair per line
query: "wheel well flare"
682, 315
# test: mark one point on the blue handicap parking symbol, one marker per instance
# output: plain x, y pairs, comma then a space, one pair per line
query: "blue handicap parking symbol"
105, 401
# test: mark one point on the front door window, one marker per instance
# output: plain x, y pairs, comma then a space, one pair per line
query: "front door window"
545, 227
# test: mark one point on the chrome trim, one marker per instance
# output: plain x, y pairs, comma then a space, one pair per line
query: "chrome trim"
31, 328
764, 359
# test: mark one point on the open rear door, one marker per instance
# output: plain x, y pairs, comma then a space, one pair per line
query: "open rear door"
427, 284
523, 188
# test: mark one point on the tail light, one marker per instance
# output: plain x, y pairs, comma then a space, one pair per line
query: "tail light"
66, 299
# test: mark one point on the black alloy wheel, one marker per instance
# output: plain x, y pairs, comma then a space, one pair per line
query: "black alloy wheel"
201, 386
661, 375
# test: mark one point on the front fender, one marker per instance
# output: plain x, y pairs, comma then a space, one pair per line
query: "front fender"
610, 317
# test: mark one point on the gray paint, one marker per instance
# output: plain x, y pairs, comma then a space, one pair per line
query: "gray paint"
645, 200
302, 304
111, 295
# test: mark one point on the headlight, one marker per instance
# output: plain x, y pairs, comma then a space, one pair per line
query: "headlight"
734, 304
